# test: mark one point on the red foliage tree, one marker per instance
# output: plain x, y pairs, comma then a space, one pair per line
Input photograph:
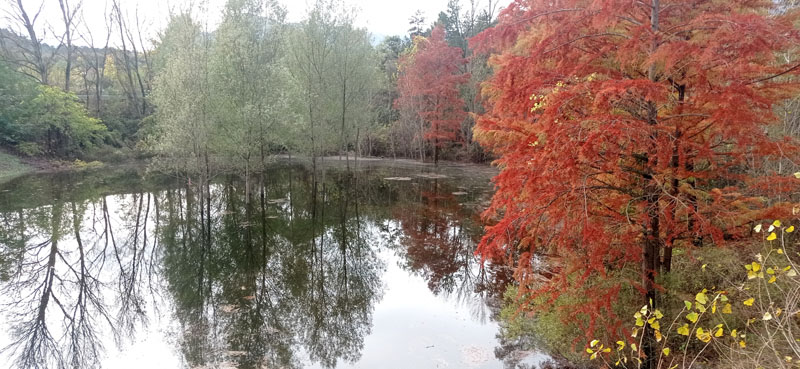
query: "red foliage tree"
428, 85
625, 129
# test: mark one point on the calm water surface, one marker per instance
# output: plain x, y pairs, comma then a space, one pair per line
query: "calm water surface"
371, 268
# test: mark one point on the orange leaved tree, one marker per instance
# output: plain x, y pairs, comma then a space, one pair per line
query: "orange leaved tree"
625, 129
428, 86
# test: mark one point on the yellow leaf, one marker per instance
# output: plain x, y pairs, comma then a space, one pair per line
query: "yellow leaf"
633, 347
780, 251
790, 229
767, 316
776, 223
757, 228
594, 356
714, 307
658, 314
594, 343
797, 175
684, 330
620, 345
688, 305
657, 333
692, 317
655, 325
665, 351
607, 350
749, 302
590, 351
742, 344
770, 271
701, 298
733, 333
756, 266
702, 335
718, 333
791, 273
727, 309
703, 268
772, 236
772, 280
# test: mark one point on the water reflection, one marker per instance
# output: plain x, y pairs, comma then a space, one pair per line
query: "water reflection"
287, 276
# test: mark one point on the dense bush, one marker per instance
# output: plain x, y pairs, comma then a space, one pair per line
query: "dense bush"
44, 120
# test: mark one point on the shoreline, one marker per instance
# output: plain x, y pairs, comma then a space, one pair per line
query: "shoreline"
13, 166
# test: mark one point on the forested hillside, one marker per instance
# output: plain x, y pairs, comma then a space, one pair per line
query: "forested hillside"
252, 86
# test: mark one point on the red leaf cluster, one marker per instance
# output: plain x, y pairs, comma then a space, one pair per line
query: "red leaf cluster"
430, 77
621, 135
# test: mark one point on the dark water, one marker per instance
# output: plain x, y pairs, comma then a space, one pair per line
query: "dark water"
119, 269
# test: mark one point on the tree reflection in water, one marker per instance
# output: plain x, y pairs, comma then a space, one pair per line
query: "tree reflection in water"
284, 276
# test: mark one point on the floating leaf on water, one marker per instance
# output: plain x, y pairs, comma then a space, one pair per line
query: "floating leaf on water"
229, 308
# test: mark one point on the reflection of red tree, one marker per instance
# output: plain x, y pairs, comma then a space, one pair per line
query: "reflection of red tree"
437, 242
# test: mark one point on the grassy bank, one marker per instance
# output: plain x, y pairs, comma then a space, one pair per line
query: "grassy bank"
11, 166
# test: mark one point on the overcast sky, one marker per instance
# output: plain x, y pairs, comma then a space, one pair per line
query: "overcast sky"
381, 17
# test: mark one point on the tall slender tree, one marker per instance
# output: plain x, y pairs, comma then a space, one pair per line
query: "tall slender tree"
430, 77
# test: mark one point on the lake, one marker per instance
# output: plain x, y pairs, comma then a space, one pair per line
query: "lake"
366, 268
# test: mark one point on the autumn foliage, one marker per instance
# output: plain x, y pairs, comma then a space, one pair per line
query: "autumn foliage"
626, 129
428, 87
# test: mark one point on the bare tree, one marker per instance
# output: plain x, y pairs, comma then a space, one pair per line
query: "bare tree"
68, 13
29, 55
95, 60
